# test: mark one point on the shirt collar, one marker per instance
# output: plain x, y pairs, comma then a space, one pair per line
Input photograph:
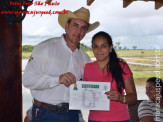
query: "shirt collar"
65, 44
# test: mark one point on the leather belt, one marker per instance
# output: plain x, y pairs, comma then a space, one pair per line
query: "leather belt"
44, 105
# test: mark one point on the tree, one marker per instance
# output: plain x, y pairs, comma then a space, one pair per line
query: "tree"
134, 47
85, 47
125, 48
27, 48
115, 47
118, 44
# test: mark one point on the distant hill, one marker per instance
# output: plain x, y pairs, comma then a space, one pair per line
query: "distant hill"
29, 48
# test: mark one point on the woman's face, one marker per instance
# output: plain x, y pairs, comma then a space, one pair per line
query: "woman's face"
101, 48
151, 90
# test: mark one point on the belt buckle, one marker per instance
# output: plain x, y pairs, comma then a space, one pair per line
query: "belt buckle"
62, 107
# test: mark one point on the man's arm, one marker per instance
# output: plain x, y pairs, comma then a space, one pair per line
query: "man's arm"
35, 76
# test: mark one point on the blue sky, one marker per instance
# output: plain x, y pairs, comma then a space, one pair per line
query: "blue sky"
137, 25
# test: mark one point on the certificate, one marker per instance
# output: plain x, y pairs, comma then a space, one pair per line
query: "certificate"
85, 95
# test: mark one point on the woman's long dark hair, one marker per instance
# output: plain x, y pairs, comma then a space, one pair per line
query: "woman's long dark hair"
113, 65
157, 82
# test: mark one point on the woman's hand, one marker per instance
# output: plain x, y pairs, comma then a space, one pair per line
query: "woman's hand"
113, 95
130, 96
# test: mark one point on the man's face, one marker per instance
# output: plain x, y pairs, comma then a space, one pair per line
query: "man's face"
76, 30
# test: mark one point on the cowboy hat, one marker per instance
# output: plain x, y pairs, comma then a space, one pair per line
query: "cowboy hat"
82, 14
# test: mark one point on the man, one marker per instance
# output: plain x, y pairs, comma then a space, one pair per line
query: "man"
55, 64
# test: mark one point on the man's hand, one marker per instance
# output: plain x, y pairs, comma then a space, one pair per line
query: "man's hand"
67, 79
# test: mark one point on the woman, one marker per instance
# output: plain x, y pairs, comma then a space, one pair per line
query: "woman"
109, 68
152, 110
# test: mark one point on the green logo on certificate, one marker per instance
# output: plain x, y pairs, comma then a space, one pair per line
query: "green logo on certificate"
75, 87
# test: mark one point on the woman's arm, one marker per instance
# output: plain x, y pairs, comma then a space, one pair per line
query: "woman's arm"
130, 96
145, 112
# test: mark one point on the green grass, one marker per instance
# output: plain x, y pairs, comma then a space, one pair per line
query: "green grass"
150, 61
26, 55
145, 74
134, 53
143, 68
139, 53
140, 81
141, 77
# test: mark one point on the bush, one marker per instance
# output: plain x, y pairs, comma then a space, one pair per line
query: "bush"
85, 48
27, 48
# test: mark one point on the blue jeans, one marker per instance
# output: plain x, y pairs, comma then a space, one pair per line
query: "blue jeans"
109, 121
40, 114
